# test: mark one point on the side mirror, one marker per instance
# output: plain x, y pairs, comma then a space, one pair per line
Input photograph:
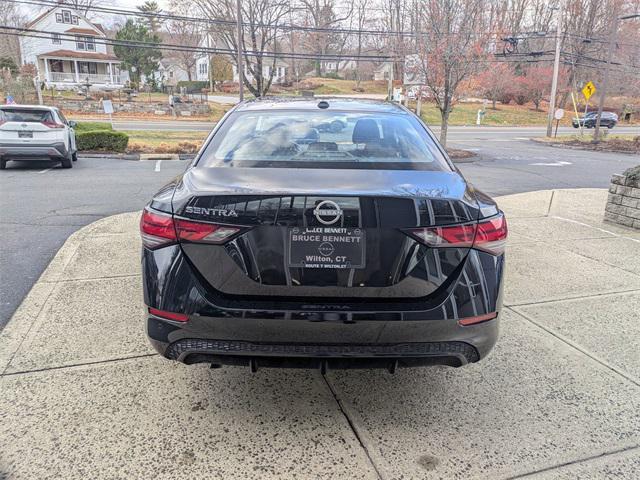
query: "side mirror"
73, 124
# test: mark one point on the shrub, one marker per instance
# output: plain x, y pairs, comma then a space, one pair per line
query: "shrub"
106, 140
193, 86
634, 172
8, 62
91, 126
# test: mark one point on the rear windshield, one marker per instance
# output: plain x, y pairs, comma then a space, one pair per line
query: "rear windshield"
26, 115
322, 139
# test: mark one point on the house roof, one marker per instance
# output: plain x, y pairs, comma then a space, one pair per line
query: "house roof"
72, 54
84, 31
39, 17
48, 11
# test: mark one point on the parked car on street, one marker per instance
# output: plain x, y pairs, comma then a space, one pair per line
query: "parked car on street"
36, 132
608, 119
361, 247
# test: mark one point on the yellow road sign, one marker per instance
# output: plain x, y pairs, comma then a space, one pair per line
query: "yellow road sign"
588, 90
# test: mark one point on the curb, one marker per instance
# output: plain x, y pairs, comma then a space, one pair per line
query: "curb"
139, 156
119, 156
575, 147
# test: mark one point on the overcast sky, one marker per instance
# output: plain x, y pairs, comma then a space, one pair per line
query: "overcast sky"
106, 19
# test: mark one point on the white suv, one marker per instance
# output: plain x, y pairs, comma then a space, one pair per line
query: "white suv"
36, 132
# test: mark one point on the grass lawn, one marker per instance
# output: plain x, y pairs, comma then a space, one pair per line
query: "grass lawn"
162, 141
466, 113
627, 143
588, 137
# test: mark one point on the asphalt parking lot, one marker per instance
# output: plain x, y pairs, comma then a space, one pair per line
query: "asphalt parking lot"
559, 397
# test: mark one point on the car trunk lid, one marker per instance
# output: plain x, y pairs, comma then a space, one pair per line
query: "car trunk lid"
325, 235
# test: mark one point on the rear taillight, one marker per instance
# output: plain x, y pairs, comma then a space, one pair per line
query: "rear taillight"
52, 124
190, 231
157, 229
489, 235
160, 229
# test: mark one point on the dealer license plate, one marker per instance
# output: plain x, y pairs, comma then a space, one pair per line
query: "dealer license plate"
320, 247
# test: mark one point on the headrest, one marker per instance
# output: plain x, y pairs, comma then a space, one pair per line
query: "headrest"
366, 131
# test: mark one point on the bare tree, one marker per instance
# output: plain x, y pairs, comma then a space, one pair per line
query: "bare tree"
361, 7
322, 15
10, 14
451, 49
261, 20
188, 34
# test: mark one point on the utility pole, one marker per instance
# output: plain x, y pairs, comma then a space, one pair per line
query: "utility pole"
556, 70
240, 62
210, 66
390, 82
605, 80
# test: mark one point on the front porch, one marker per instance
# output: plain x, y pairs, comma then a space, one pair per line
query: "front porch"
68, 73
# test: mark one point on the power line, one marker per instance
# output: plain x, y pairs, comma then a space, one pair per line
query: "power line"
41, 34
277, 26
519, 57
46, 34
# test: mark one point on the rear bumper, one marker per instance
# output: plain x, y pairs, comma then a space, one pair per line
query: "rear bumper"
32, 152
314, 344
275, 335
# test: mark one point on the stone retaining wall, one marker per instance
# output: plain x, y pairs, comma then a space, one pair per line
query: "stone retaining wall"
159, 108
623, 204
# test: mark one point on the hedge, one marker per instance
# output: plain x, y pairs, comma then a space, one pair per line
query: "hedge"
91, 126
193, 86
107, 140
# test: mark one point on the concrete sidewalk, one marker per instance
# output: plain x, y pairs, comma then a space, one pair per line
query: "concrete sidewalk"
82, 395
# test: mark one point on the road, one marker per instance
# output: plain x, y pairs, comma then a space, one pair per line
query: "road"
41, 206
455, 132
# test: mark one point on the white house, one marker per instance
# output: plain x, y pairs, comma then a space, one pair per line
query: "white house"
341, 67
73, 54
168, 74
281, 68
383, 71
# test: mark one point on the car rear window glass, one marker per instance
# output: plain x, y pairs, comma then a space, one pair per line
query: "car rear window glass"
323, 139
27, 115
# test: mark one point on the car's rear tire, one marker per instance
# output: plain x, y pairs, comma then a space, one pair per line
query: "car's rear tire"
3, 164
74, 157
610, 126
67, 162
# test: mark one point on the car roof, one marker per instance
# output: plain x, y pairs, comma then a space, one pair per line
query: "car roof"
311, 103
27, 107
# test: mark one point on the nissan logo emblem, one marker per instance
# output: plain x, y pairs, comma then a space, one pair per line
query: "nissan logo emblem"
327, 212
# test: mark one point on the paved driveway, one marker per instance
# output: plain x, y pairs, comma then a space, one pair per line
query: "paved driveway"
82, 395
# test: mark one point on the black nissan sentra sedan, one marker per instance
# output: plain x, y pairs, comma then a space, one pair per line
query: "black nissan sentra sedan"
325, 234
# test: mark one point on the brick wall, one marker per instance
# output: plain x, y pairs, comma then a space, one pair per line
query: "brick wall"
623, 204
